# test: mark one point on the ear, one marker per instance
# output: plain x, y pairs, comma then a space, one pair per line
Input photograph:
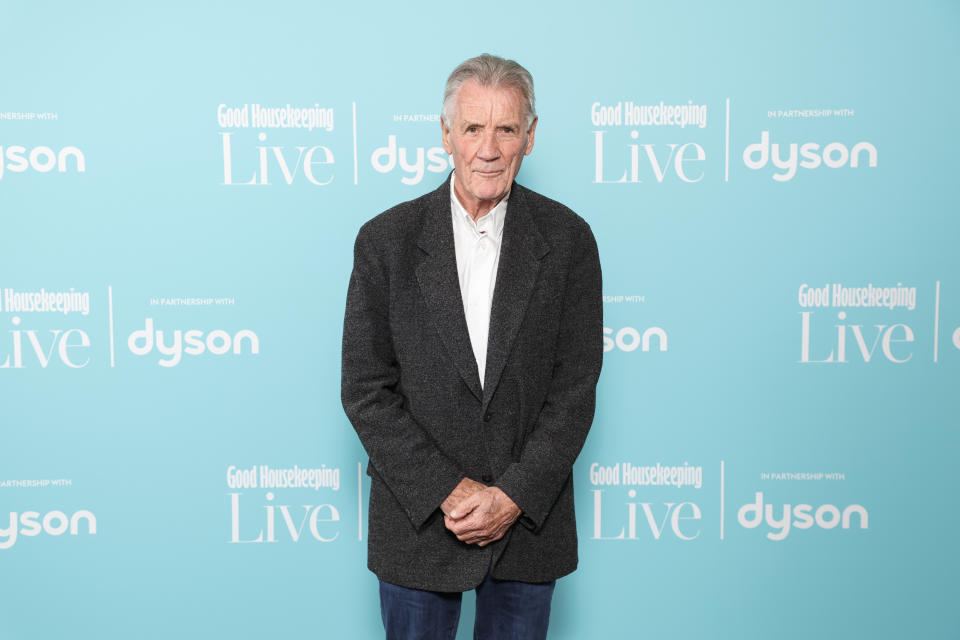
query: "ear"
445, 138
529, 141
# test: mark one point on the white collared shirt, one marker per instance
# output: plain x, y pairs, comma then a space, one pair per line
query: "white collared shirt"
477, 245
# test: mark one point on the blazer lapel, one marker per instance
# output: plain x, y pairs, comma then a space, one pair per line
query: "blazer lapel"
440, 286
520, 255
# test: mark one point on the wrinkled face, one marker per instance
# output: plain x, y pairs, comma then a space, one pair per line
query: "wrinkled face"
487, 140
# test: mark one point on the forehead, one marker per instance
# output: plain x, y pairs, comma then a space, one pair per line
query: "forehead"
479, 103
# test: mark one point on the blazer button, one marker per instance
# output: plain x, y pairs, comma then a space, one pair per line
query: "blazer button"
487, 477
487, 417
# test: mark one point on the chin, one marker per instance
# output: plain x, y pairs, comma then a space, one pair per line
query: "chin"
492, 195
493, 189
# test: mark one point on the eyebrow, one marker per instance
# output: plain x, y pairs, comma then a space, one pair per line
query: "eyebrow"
501, 125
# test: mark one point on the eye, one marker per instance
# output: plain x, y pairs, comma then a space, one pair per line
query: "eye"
472, 128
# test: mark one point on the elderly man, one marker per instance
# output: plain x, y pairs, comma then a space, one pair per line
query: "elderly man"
472, 345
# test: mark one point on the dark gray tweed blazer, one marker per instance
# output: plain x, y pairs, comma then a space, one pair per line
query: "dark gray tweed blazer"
411, 389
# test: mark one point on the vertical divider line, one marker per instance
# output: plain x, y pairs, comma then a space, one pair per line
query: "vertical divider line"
110, 311
936, 324
355, 173
726, 145
360, 501
721, 498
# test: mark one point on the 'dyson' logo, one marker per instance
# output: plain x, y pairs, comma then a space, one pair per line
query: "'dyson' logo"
413, 162
630, 339
807, 155
799, 516
54, 523
192, 342
42, 159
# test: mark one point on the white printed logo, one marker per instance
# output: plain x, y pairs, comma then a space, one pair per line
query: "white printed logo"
54, 523
218, 342
61, 346
850, 341
671, 517
315, 519
806, 155
41, 159
314, 162
636, 162
629, 339
801, 516
413, 163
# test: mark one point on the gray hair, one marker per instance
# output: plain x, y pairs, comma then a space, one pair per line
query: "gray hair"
489, 71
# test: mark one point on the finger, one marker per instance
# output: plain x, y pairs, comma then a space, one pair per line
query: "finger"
490, 532
487, 540
464, 531
467, 526
484, 540
465, 507
461, 528
471, 527
477, 540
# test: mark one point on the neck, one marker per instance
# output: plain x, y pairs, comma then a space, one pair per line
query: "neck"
476, 208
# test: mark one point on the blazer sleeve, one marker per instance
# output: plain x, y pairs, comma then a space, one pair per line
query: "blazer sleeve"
535, 481
403, 455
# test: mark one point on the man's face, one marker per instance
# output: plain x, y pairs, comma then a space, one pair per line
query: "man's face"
487, 141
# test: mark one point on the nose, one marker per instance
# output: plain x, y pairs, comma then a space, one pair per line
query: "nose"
489, 148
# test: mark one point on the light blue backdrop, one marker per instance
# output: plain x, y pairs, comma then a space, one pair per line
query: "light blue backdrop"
114, 194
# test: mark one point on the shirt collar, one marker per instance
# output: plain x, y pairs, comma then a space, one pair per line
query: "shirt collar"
492, 221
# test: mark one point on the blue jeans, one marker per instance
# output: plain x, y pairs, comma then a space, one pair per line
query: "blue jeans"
505, 611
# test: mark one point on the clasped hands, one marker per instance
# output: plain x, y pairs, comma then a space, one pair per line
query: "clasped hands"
478, 514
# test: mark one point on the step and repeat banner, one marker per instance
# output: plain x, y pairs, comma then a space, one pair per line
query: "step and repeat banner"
773, 190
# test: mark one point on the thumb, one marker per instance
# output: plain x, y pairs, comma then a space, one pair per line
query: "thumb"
464, 507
